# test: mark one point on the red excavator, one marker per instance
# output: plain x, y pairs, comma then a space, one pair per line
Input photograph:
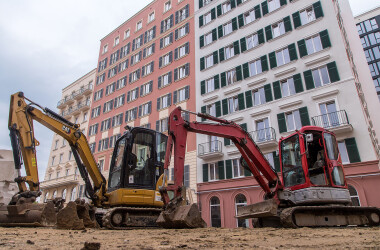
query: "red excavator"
311, 189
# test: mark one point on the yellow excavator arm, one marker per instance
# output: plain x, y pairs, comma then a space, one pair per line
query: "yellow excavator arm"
21, 116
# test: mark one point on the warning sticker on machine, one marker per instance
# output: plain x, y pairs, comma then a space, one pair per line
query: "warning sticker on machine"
157, 197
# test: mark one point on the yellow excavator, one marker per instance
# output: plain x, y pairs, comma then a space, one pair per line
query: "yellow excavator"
131, 197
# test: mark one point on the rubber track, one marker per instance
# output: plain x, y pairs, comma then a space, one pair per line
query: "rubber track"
107, 222
287, 215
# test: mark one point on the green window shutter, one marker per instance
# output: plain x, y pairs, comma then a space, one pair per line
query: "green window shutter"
243, 44
281, 122
296, 19
223, 81
241, 20
216, 81
277, 90
282, 2
298, 83
225, 106
239, 74
257, 11
202, 41
264, 7
268, 32
302, 48
308, 79
260, 34
200, 21
288, 24
245, 70
292, 52
318, 9
221, 54
203, 110
234, 23
268, 93
333, 72
205, 172
218, 111
272, 60
233, 4
236, 47
213, 14
304, 114
203, 87
215, 54
244, 126
228, 169
219, 10
241, 101
220, 31
200, 3
221, 170
227, 142
214, 35
202, 63
248, 99
264, 63
352, 150
276, 160
325, 39
238, 2
247, 172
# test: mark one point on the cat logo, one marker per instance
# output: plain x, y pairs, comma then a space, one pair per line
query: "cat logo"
66, 129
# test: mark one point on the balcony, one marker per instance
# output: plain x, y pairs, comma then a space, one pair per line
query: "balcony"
69, 100
61, 104
85, 90
67, 113
210, 150
65, 180
265, 137
66, 101
336, 122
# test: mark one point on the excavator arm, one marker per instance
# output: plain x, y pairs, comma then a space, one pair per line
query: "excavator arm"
21, 117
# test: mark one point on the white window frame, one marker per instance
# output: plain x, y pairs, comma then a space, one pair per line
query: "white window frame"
278, 29
320, 75
181, 72
295, 122
208, 38
273, 5
260, 94
167, 6
227, 28
210, 85
315, 44
255, 67
282, 56
213, 171
116, 41
139, 25
105, 48
127, 33
307, 15
287, 84
209, 61
150, 19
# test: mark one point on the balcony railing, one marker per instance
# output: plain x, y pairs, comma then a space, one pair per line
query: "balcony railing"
331, 120
55, 182
210, 148
264, 135
85, 89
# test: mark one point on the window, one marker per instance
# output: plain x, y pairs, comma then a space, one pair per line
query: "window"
293, 120
229, 51
278, 29
369, 55
321, 76
130, 115
166, 24
329, 115
119, 101
249, 16
116, 41
100, 79
102, 64
73, 194
113, 140
313, 44
105, 125
133, 94
209, 61
127, 33
108, 106
58, 173
213, 172
164, 101
64, 140
134, 76
137, 42
307, 15
151, 17
101, 164
164, 80
110, 88
365, 41
231, 76
186, 176
181, 72
162, 125
67, 172
70, 155
145, 109
103, 144
360, 28
136, 58
282, 57
182, 51
146, 88
270, 159
204, 3
263, 132
252, 41
149, 51
241, 201
215, 212
354, 196
182, 31
374, 69
207, 18
56, 144
287, 87
238, 170
369, 25
374, 38
105, 48
93, 129
85, 115
181, 95
208, 39
182, 14
167, 40
226, 6
55, 191
123, 66
167, 6
227, 28
211, 109
166, 59
150, 34
139, 25
210, 85
52, 160
147, 69
114, 57
255, 67
112, 72
258, 96
233, 104
273, 5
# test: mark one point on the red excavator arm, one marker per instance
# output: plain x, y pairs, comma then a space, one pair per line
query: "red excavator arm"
178, 129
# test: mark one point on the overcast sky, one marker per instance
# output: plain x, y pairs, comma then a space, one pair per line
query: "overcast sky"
45, 45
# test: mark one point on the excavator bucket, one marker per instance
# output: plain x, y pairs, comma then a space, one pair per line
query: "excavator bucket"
179, 215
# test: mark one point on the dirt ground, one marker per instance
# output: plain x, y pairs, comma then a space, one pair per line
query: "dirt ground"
209, 238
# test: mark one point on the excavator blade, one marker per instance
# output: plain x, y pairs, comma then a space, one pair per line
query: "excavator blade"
184, 216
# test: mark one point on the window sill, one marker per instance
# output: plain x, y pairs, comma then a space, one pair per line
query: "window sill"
162, 109
256, 76
210, 98
132, 100
251, 84
319, 59
179, 38
229, 59
166, 11
325, 94
179, 79
231, 90
204, 46
165, 46
285, 71
145, 94
164, 86
164, 66
147, 74
180, 102
253, 48
259, 113
309, 23
181, 57
279, 37
214, 65
204, 25
290, 104
274, 11
249, 24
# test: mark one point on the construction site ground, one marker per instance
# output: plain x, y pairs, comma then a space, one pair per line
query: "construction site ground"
208, 238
